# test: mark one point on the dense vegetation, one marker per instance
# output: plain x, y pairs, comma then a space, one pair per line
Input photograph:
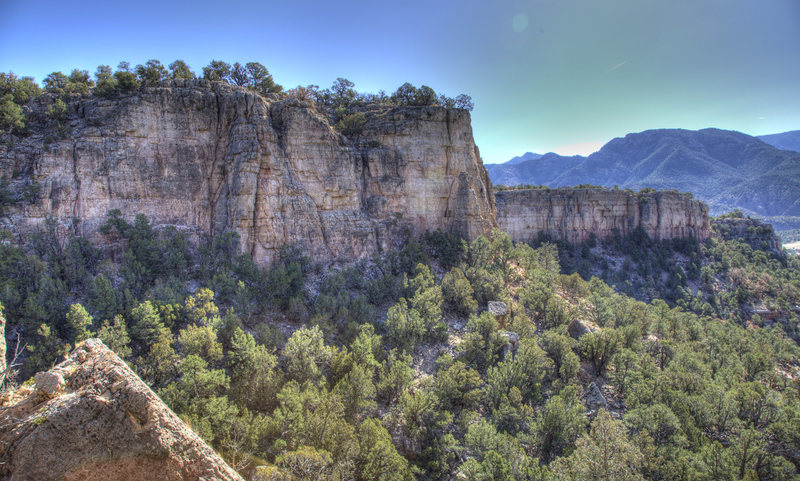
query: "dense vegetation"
393, 369
736, 279
341, 101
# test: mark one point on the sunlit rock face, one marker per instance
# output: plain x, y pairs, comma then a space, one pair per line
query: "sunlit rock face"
209, 158
91, 418
572, 215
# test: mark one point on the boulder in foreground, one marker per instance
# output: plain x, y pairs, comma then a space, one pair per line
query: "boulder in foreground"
103, 423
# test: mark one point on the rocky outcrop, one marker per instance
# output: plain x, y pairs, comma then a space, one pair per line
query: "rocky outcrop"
92, 419
572, 215
209, 158
753, 232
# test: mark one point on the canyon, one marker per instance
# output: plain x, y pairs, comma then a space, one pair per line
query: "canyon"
209, 158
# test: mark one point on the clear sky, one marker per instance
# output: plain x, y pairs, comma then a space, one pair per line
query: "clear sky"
545, 75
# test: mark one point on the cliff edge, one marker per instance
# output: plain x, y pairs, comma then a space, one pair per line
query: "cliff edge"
573, 214
92, 419
208, 158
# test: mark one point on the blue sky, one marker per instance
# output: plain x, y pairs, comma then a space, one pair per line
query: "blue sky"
545, 75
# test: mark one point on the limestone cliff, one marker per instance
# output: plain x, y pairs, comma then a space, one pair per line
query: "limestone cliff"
92, 419
209, 158
572, 215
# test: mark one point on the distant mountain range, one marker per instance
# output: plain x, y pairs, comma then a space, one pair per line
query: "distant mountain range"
727, 169
522, 158
784, 141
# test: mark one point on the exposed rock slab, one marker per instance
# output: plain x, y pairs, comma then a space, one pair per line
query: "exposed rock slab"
573, 215
103, 424
209, 158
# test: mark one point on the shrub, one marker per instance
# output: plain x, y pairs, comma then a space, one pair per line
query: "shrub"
351, 124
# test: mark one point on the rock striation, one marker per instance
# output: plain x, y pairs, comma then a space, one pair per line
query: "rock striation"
92, 419
573, 214
209, 158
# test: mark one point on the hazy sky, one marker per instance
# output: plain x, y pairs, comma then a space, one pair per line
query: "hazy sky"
545, 75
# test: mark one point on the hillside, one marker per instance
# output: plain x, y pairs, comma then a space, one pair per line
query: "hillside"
784, 141
315, 289
727, 169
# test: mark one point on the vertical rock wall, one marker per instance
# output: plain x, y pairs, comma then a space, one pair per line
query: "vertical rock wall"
572, 215
209, 158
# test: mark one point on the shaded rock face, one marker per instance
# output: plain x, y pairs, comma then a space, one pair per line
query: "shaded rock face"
209, 158
572, 215
103, 424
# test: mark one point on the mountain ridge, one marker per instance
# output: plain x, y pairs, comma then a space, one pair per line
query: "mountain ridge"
727, 169
785, 140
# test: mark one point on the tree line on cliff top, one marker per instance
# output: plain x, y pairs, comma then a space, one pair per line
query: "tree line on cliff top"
16, 92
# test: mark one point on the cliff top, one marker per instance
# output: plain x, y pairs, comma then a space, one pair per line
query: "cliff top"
92, 418
591, 188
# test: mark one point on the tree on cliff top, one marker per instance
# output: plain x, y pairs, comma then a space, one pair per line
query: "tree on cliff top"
180, 70
255, 76
217, 71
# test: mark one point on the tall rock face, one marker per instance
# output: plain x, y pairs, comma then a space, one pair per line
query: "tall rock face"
209, 158
572, 215
92, 419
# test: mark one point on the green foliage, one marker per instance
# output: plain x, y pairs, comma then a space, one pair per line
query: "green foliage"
79, 82
357, 392
217, 71
115, 336
151, 73
255, 76
483, 343
458, 387
559, 424
12, 117
46, 350
126, 80
254, 380
599, 347
78, 322
409, 95
395, 375
56, 83
200, 341
351, 124
306, 356
105, 82
605, 454
378, 459
22, 90
457, 292
524, 372
559, 348
58, 111
409, 321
